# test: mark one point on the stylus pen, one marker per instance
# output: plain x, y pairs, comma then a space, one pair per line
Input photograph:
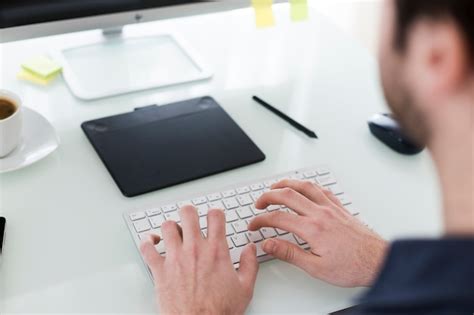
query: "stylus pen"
289, 120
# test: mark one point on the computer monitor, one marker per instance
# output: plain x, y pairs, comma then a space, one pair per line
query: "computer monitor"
170, 62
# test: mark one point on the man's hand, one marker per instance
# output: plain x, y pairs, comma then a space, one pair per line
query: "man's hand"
197, 275
343, 251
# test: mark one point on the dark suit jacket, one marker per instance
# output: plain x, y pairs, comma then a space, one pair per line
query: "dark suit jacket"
424, 277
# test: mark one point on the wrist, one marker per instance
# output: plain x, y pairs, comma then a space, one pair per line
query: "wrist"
374, 260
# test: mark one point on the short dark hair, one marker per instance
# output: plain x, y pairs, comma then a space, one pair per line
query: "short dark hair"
460, 11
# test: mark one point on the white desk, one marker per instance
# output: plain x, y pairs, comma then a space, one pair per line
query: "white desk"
68, 249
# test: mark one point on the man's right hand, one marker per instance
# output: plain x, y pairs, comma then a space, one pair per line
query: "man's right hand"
343, 252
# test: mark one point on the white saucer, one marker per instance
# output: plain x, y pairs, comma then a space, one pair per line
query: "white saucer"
38, 141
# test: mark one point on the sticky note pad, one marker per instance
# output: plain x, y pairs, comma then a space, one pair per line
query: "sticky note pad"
41, 67
263, 13
30, 77
299, 10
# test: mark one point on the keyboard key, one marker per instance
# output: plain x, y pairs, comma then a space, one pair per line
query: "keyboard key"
273, 208
244, 200
336, 189
235, 254
230, 244
244, 212
169, 208
254, 236
257, 186
185, 203
256, 194
172, 216
160, 247
231, 216
257, 211
202, 210
243, 190
352, 209
309, 174
269, 183
229, 230
137, 215
289, 238
216, 205
326, 180
141, 225
345, 199
281, 232
239, 239
230, 203
153, 212
260, 251
203, 222
199, 200
229, 193
322, 171
363, 220
297, 176
156, 221
214, 197
144, 235
299, 240
268, 232
239, 226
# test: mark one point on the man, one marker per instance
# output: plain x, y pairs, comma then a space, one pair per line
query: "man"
427, 70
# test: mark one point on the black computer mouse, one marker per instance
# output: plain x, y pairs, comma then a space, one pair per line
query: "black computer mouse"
386, 128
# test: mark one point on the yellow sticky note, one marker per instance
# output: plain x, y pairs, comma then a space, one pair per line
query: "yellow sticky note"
42, 67
30, 77
299, 10
263, 13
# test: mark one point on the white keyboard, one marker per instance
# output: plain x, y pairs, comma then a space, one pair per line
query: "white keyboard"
237, 202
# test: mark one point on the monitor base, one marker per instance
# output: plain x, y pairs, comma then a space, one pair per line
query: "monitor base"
117, 65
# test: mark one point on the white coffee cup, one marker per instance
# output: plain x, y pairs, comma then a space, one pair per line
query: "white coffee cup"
10, 127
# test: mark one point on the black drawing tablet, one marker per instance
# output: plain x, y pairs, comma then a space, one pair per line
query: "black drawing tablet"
159, 146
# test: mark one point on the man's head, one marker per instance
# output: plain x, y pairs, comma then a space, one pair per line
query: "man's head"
426, 59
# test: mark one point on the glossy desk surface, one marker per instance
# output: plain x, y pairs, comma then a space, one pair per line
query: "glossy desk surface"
67, 247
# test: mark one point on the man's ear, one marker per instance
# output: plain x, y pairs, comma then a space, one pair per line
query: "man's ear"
437, 60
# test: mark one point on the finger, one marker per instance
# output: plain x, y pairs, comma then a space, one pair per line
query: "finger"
248, 267
288, 197
279, 219
150, 255
172, 235
216, 225
331, 197
335, 200
190, 225
307, 189
291, 253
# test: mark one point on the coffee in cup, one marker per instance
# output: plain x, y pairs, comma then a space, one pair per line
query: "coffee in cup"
11, 121
7, 108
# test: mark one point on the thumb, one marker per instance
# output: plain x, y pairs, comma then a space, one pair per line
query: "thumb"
248, 266
289, 252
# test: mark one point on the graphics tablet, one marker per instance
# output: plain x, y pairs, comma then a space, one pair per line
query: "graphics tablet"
159, 146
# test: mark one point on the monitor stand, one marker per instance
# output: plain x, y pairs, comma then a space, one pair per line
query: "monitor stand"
116, 64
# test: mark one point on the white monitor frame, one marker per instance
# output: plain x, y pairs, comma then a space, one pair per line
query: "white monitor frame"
117, 20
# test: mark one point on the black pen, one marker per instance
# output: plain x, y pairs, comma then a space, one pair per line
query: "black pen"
289, 120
